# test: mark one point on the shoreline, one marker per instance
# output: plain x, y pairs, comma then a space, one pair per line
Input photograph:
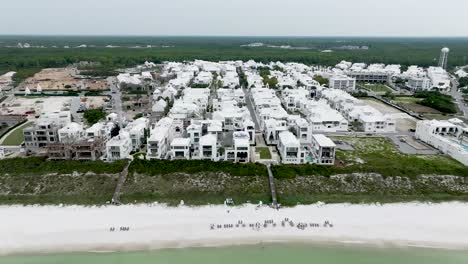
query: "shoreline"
71, 229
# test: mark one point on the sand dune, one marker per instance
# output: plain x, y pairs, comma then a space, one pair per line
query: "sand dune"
34, 229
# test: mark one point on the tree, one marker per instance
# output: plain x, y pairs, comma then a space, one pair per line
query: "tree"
221, 151
389, 95
321, 79
399, 81
93, 116
139, 115
272, 82
463, 82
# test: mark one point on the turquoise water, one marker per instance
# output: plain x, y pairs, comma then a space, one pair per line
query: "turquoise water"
258, 254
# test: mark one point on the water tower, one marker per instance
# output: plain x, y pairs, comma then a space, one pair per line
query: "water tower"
444, 57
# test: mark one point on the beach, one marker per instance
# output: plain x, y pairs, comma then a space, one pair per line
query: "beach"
53, 229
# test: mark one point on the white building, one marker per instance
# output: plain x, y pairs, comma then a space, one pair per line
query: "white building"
290, 149
418, 83
323, 118
232, 117
342, 82
241, 150
71, 133
180, 148
136, 130
100, 130
119, 147
272, 129
208, 147
450, 137
323, 150
368, 119
230, 79
159, 139
302, 128
203, 78
440, 79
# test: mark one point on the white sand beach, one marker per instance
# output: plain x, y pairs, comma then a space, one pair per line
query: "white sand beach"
40, 229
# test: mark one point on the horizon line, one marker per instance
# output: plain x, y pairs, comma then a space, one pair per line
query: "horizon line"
226, 36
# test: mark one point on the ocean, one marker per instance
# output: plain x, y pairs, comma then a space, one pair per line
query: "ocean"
257, 254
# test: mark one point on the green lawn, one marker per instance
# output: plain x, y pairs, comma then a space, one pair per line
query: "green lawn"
264, 152
15, 138
379, 88
407, 99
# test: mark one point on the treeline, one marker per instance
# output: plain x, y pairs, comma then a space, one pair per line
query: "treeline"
389, 51
463, 82
442, 102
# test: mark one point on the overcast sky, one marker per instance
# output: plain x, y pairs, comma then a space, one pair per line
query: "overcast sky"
236, 17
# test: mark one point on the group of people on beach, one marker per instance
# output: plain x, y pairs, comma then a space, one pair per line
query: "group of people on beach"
270, 222
122, 228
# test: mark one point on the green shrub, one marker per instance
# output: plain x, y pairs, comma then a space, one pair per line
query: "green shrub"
93, 116
162, 167
40, 165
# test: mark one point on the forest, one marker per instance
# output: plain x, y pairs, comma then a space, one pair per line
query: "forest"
128, 51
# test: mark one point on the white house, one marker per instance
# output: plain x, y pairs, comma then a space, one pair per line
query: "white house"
272, 130
368, 118
136, 130
419, 83
290, 149
323, 118
440, 79
100, 130
301, 127
342, 82
241, 150
208, 147
159, 139
180, 148
203, 78
323, 150
71, 133
119, 147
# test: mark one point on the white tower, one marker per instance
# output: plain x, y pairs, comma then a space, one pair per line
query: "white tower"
444, 57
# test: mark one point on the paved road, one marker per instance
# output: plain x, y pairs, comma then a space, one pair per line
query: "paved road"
248, 101
74, 107
457, 96
116, 98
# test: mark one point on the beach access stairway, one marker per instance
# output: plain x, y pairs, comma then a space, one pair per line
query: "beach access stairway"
274, 199
118, 189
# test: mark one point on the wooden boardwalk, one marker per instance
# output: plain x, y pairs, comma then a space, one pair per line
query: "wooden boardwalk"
274, 199
118, 189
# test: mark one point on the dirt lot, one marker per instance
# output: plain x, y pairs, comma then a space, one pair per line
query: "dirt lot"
62, 79
404, 121
21, 105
